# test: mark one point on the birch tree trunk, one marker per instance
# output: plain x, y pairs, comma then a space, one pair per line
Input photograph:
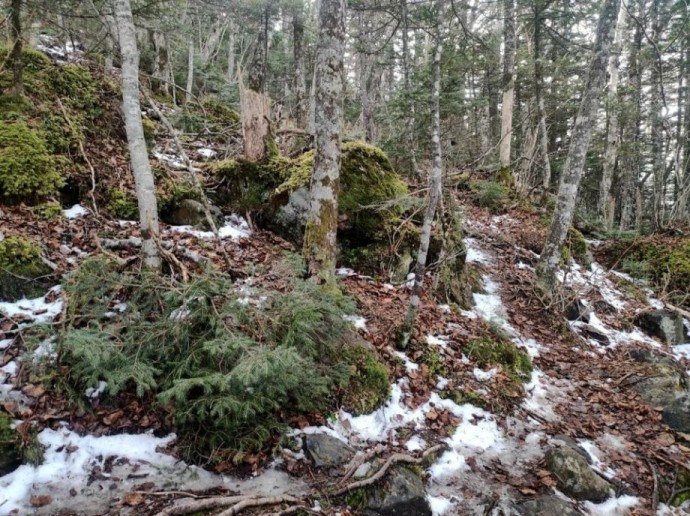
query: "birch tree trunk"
141, 168
190, 70
579, 143
604, 203
434, 182
539, 97
508, 82
320, 237
300, 84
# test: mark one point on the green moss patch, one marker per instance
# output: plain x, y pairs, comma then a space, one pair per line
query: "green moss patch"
21, 269
122, 205
369, 382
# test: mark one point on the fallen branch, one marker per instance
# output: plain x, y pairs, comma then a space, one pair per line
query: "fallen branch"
237, 503
256, 502
392, 460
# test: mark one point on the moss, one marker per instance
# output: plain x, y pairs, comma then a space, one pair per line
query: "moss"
48, 210
357, 498
452, 283
13, 104
465, 396
122, 205
575, 247
149, 131
434, 362
21, 269
219, 112
369, 384
27, 171
488, 352
491, 195
10, 456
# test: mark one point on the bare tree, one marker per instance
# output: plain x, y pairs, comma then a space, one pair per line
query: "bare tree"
320, 236
131, 107
579, 144
508, 82
434, 181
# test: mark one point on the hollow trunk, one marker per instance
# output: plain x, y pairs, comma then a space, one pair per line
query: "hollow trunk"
131, 108
579, 143
320, 236
434, 182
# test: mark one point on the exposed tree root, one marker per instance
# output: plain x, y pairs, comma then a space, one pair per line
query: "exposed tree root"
237, 504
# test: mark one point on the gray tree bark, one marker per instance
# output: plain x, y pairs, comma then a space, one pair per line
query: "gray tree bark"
300, 83
435, 180
539, 97
320, 237
131, 108
581, 135
508, 82
15, 57
190, 70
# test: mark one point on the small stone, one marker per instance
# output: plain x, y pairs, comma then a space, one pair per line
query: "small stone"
402, 494
574, 476
663, 324
326, 451
577, 311
546, 506
677, 414
362, 471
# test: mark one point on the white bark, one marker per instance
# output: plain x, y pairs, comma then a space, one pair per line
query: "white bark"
612, 135
579, 144
434, 180
320, 236
190, 70
141, 168
508, 83
231, 54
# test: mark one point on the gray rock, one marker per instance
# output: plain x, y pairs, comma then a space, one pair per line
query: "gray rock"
574, 476
546, 506
572, 443
664, 324
189, 212
401, 494
326, 451
677, 414
577, 311
658, 391
592, 333
291, 218
663, 377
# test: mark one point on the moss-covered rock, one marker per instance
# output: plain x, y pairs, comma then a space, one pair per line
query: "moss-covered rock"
49, 210
10, 455
149, 131
370, 223
21, 269
27, 171
575, 247
369, 383
490, 352
122, 205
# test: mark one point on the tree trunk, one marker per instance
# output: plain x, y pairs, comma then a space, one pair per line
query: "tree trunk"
131, 108
613, 130
300, 84
579, 144
190, 70
231, 53
257, 71
539, 97
435, 180
15, 57
320, 237
658, 165
411, 123
508, 82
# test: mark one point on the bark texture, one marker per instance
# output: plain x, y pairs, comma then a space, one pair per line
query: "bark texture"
579, 144
131, 108
435, 180
300, 82
508, 82
320, 236
15, 57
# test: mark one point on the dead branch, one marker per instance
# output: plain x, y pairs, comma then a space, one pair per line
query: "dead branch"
237, 503
256, 502
392, 460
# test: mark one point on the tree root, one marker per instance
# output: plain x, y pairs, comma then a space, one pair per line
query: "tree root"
392, 460
237, 504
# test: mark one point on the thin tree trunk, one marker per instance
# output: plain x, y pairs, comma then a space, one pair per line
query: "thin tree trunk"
231, 53
579, 144
658, 165
257, 71
320, 236
15, 57
411, 119
539, 94
508, 82
300, 84
131, 107
613, 130
190, 70
435, 180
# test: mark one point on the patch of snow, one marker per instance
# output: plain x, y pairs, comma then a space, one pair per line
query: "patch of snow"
614, 506
474, 254
596, 455
357, 321
415, 443
207, 153
489, 306
235, 228
46, 349
410, 280
37, 310
344, 271
440, 506
522, 265
409, 364
680, 351
682, 510
95, 393
542, 396
442, 383
484, 376
75, 211
439, 340
8, 370
172, 160
444, 308
5, 343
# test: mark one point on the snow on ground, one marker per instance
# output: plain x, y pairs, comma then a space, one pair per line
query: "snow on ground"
357, 321
235, 228
75, 211
614, 506
474, 253
37, 310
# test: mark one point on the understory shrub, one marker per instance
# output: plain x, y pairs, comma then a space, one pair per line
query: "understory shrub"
22, 272
233, 367
491, 195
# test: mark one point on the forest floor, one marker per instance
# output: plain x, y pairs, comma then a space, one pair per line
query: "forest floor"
104, 461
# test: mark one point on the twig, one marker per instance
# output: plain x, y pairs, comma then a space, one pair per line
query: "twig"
238, 503
172, 259
655, 493
393, 459
194, 176
256, 502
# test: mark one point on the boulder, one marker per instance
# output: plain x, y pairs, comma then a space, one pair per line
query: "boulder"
401, 494
546, 506
572, 443
677, 414
591, 332
189, 212
574, 476
662, 379
577, 311
663, 324
326, 451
